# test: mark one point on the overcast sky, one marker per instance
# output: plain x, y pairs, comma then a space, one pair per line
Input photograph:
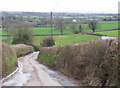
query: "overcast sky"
81, 6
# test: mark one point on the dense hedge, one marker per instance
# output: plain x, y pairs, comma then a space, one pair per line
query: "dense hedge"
10, 54
22, 49
9, 60
94, 63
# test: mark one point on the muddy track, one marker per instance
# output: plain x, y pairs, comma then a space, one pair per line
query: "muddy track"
31, 73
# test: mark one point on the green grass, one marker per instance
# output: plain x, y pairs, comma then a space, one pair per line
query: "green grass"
11, 61
103, 25
108, 25
74, 38
110, 33
8, 40
61, 39
23, 52
2, 32
10, 71
67, 39
49, 58
41, 31
47, 30
109, 22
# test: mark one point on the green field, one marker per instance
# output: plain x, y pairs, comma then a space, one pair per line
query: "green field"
70, 37
67, 39
108, 25
110, 33
103, 25
60, 40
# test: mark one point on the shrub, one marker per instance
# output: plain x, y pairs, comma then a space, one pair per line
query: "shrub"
36, 48
23, 34
81, 28
76, 32
49, 58
47, 42
93, 25
60, 24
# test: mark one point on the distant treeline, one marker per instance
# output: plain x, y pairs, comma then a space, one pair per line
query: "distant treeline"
66, 14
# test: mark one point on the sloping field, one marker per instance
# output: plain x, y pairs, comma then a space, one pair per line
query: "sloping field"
67, 39
110, 33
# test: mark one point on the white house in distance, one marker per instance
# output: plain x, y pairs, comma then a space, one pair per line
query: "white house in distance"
74, 20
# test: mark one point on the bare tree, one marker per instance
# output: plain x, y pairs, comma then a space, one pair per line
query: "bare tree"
7, 21
93, 25
81, 28
44, 21
18, 27
60, 24
73, 26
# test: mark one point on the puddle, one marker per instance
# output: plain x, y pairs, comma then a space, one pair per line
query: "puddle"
108, 37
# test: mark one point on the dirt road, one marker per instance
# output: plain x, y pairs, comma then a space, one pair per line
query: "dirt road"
31, 73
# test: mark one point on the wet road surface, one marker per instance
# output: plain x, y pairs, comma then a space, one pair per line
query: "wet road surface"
31, 73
